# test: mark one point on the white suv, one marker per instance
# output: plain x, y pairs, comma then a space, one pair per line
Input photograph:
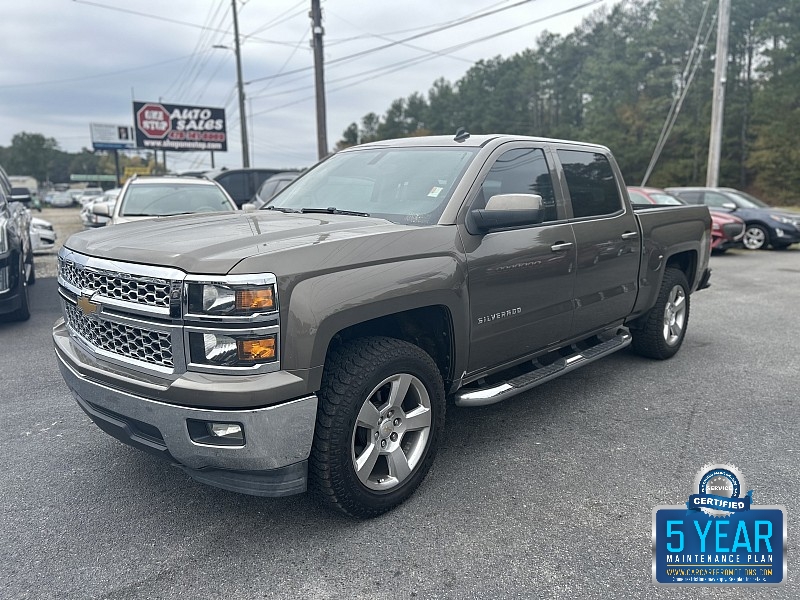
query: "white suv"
151, 197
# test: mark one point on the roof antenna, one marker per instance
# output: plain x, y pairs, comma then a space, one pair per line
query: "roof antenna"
461, 135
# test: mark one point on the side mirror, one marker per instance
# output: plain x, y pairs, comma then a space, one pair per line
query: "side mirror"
729, 206
21, 194
249, 207
508, 210
101, 209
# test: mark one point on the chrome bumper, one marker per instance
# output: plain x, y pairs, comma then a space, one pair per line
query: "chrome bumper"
277, 438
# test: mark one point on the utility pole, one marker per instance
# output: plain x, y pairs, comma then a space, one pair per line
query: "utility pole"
240, 84
319, 78
718, 107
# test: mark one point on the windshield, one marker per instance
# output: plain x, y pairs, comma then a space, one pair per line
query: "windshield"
745, 200
408, 186
160, 200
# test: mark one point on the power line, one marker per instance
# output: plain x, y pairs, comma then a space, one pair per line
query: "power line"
98, 76
361, 53
335, 42
162, 18
677, 102
374, 73
281, 18
199, 45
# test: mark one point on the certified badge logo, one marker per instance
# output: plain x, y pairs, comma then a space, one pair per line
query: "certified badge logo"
719, 537
717, 490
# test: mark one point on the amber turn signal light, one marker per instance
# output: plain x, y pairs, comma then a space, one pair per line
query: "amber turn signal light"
259, 299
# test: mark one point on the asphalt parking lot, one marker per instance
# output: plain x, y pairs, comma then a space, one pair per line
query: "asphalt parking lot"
546, 495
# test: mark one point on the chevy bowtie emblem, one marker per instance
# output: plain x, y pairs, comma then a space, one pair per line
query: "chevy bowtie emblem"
87, 306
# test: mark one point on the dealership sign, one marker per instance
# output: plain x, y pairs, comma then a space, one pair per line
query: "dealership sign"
177, 127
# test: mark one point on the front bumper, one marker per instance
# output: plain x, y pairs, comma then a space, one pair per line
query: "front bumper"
272, 461
784, 235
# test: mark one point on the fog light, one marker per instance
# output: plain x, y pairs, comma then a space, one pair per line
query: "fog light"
210, 433
261, 349
226, 430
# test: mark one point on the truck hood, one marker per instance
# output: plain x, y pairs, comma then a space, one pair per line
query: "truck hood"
215, 244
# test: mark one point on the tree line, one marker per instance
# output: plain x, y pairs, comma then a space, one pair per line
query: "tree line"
613, 80
38, 156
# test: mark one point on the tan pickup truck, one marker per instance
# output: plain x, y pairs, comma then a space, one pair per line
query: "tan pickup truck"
313, 343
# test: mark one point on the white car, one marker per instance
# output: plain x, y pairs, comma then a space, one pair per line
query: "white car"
89, 194
150, 197
43, 236
88, 216
60, 200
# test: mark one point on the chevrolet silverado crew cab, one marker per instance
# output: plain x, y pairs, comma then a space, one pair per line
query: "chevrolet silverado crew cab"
314, 342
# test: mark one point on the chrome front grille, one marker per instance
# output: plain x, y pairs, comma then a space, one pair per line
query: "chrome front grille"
153, 347
146, 291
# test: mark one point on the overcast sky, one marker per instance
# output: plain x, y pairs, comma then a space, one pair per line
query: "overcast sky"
69, 63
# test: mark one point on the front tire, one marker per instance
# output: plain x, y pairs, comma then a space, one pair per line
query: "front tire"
661, 334
755, 238
22, 313
381, 411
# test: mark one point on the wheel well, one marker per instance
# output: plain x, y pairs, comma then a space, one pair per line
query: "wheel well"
430, 328
686, 262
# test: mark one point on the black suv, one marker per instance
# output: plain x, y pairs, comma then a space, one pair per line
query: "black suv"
16, 254
242, 184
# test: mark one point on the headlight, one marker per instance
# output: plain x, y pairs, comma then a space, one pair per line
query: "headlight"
3, 237
784, 220
231, 300
232, 350
715, 226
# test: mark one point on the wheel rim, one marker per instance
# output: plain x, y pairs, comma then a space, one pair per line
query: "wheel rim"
675, 315
754, 238
391, 432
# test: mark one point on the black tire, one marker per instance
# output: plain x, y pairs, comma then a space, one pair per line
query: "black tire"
32, 276
357, 385
663, 328
756, 237
23, 313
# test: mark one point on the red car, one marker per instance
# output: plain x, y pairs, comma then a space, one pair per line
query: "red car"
726, 230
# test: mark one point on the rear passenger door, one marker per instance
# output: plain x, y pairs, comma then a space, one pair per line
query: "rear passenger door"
520, 280
607, 238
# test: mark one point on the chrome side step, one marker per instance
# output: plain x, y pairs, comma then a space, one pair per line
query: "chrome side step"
540, 374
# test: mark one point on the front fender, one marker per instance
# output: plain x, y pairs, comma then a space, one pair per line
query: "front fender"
322, 306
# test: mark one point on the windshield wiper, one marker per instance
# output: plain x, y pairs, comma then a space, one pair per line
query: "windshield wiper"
332, 210
282, 209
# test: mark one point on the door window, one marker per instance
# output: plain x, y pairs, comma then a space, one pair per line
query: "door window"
591, 183
715, 199
520, 171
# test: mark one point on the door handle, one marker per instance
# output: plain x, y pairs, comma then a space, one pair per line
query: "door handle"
561, 246
629, 235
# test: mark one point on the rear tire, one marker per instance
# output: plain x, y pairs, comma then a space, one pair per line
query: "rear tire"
381, 411
664, 327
